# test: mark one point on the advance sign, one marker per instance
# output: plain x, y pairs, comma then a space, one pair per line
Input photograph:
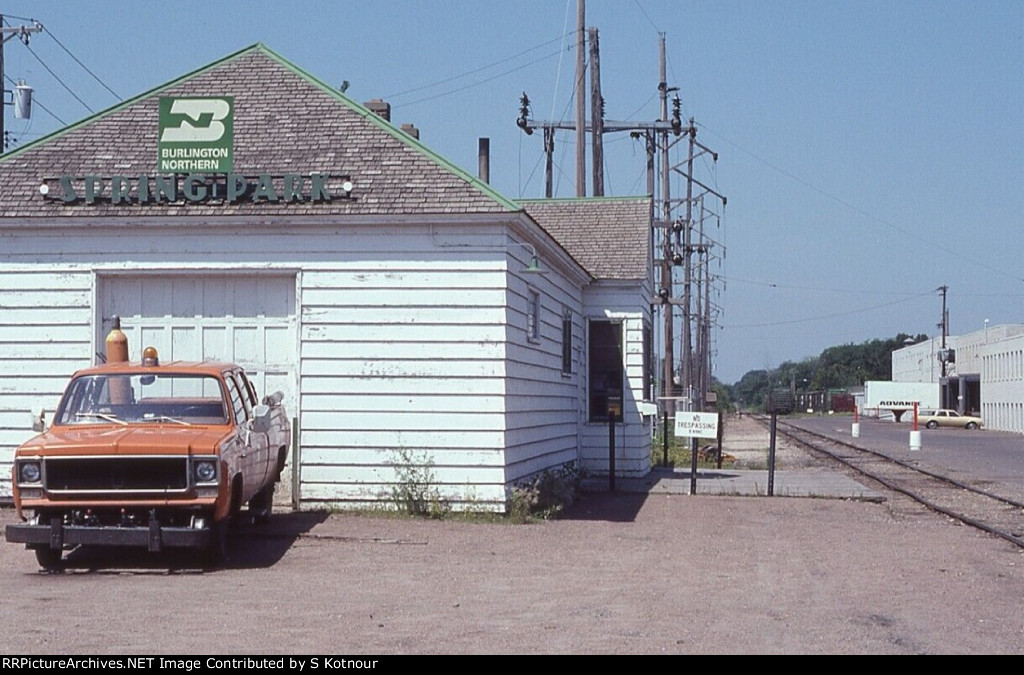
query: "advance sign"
697, 425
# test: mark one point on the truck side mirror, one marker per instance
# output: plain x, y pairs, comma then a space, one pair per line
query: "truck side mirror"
261, 419
38, 420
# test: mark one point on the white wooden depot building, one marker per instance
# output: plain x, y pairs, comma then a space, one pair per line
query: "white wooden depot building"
248, 212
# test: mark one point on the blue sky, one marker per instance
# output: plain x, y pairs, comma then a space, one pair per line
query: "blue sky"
870, 151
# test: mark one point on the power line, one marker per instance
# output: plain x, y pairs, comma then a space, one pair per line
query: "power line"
82, 65
830, 316
846, 291
477, 70
60, 81
959, 253
477, 84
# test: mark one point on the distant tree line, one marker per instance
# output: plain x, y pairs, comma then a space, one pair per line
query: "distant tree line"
839, 367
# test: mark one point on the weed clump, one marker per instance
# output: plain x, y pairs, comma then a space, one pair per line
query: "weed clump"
544, 495
415, 490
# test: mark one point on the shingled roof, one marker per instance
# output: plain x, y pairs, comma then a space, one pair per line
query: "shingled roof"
285, 121
609, 236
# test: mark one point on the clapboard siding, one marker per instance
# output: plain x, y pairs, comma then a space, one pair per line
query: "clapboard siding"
342, 369
45, 321
394, 321
328, 317
405, 340
322, 341
619, 302
396, 297
387, 476
401, 421
375, 456
389, 439
492, 387
404, 402
543, 402
406, 360
474, 497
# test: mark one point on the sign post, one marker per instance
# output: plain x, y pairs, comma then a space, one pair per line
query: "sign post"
695, 425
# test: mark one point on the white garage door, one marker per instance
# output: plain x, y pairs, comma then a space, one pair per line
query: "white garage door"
245, 319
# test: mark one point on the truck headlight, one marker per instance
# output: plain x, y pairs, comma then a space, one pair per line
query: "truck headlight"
206, 471
29, 472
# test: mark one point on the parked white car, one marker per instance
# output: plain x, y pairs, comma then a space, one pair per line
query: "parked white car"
933, 419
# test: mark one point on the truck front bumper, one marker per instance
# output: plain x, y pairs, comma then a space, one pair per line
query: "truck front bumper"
56, 535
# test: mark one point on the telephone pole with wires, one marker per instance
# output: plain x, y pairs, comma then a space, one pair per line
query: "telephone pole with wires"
675, 238
21, 95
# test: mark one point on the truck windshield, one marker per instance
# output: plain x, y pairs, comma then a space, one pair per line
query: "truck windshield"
143, 398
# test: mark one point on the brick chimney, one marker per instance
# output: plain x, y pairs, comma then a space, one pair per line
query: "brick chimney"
380, 107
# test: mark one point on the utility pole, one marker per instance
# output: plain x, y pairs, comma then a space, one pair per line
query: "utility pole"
687, 355
944, 355
689, 381
581, 110
596, 113
22, 33
670, 247
666, 291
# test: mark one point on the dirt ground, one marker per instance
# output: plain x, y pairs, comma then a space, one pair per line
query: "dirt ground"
618, 574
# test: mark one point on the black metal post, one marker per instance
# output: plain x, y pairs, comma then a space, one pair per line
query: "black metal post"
664, 438
611, 451
720, 434
693, 465
771, 457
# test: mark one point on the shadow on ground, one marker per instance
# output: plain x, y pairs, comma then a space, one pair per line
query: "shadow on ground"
249, 547
607, 506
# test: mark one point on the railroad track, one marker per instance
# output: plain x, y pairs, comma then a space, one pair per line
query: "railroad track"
973, 505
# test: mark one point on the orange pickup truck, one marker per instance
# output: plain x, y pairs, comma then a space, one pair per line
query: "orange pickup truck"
150, 455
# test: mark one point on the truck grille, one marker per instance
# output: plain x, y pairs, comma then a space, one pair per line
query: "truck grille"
115, 474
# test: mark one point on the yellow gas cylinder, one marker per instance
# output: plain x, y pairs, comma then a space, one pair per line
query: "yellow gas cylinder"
117, 343
117, 352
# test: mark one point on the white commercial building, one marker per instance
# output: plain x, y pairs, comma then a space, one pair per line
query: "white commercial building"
410, 313
984, 373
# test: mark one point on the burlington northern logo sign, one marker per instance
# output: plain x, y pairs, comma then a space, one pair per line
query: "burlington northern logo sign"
195, 163
196, 135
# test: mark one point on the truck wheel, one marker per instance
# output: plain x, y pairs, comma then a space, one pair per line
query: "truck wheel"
217, 549
49, 559
262, 505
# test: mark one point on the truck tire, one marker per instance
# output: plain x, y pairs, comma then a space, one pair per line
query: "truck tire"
262, 505
217, 550
49, 559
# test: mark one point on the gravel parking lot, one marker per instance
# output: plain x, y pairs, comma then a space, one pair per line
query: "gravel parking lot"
622, 574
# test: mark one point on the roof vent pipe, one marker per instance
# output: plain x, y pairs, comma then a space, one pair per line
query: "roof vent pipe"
484, 157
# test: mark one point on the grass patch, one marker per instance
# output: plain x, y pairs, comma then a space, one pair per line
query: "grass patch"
415, 491
680, 453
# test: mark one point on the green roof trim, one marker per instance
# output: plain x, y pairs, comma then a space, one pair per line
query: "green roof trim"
361, 110
128, 103
385, 126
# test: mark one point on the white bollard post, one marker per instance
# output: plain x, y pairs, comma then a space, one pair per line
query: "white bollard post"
915, 432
